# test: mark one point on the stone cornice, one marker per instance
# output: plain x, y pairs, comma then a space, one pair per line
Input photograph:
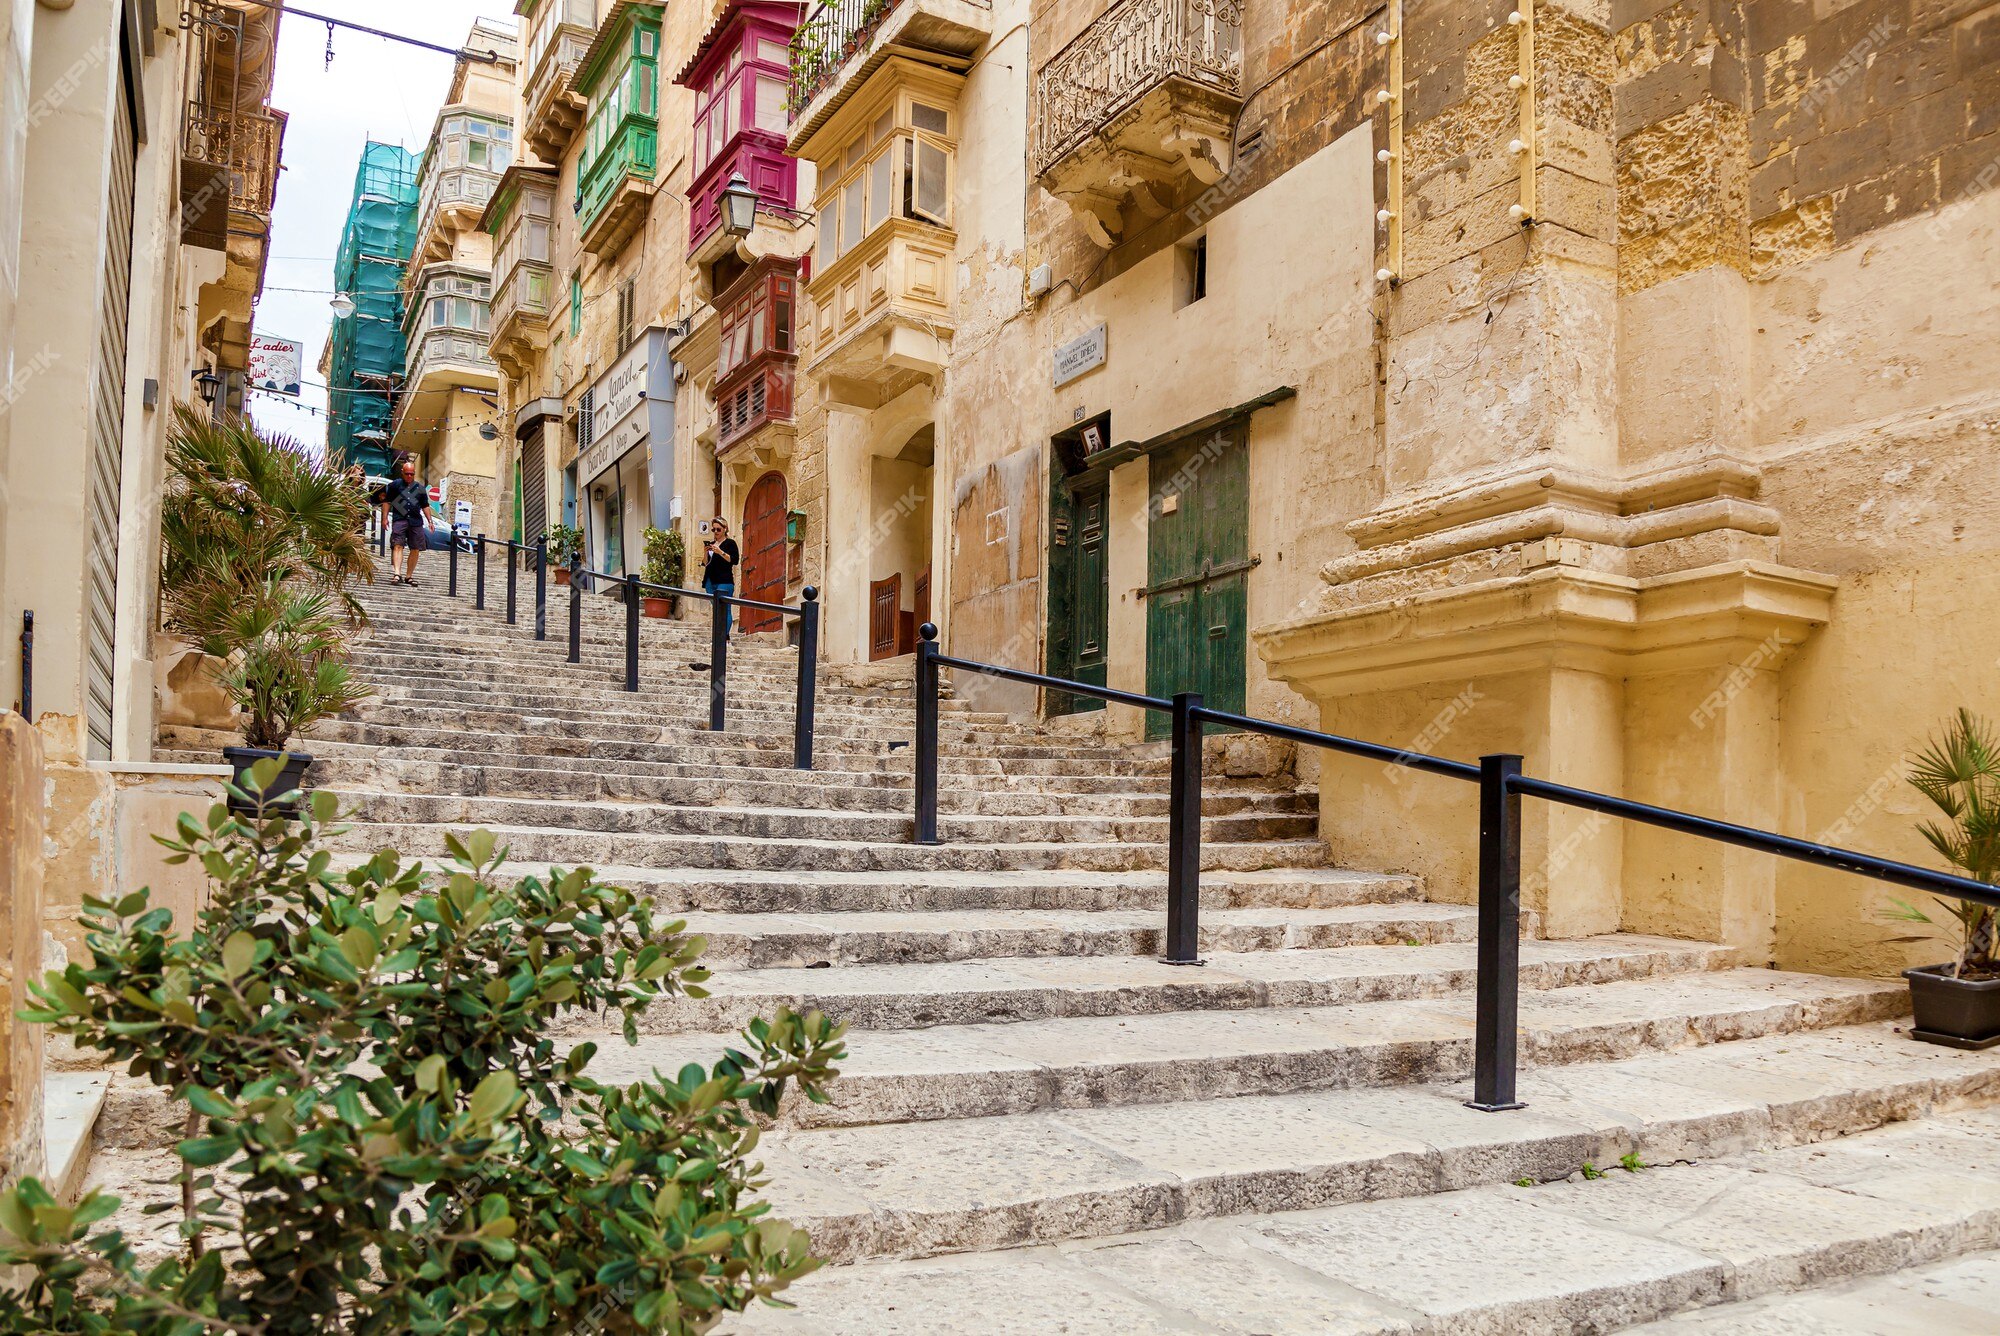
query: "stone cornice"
1559, 617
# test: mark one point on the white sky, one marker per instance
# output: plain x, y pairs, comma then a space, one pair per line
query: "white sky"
375, 89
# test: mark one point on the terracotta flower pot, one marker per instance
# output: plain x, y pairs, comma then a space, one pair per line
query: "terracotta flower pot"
661, 606
1958, 1013
562, 576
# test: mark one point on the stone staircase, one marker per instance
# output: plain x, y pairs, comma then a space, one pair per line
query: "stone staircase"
1040, 1128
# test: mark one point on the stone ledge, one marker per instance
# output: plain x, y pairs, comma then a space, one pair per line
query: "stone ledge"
1557, 617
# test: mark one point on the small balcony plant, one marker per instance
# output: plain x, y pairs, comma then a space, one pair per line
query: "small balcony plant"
565, 549
666, 564
1957, 1003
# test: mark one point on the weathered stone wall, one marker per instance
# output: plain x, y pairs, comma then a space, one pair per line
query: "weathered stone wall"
21, 849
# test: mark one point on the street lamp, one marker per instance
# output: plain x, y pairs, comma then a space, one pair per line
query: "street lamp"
739, 207
206, 383
343, 305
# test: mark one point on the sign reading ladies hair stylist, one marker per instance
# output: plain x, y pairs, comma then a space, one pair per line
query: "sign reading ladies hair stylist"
634, 407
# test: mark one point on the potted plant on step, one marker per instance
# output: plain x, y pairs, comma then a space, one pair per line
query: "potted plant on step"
666, 564
1958, 1003
287, 670
565, 547
259, 542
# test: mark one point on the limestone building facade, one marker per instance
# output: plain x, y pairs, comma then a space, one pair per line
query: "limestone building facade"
446, 412
139, 159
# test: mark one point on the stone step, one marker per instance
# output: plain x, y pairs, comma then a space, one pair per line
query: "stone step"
819, 891
1397, 1211
779, 823
548, 845
766, 940
690, 727
701, 754
588, 779
1947, 1298
576, 754
1157, 997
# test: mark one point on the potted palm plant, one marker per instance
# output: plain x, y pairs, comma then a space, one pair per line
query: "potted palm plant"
1957, 1003
287, 670
565, 545
259, 542
666, 564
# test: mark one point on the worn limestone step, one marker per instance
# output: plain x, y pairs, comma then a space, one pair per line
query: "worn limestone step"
690, 725
541, 844
684, 688
702, 754
823, 891
1157, 999
767, 940
584, 779
888, 790
1403, 1215
781, 823
1948, 1298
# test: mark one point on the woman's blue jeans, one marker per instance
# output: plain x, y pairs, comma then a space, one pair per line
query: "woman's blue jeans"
728, 609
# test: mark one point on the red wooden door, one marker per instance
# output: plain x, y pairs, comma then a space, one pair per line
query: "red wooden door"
763, 551
885, 603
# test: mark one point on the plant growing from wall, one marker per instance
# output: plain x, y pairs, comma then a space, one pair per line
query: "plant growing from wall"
1959, 771
384, 1136
666, 557
565, 544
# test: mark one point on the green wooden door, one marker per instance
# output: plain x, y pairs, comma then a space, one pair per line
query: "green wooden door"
1092, 589
1198, 570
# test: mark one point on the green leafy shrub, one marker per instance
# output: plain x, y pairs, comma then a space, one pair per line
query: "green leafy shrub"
666, 557
1960, 773
384, 1137
242, 510
287, 665
565, 543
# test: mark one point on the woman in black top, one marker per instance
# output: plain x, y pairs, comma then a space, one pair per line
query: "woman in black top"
718, 575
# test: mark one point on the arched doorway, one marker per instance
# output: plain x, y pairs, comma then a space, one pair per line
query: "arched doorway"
763, 551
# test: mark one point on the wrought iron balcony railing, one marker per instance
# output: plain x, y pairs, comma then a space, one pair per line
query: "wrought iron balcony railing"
1137, 46
244, 143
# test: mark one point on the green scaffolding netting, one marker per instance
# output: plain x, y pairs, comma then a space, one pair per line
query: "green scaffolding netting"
367, 347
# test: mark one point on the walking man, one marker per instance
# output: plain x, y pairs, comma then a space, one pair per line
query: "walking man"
718, 575
406, 507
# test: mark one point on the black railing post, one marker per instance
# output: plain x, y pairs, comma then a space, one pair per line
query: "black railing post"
927, 735
542, 588
513, 561
451, 585
802, 717
479, 576
1496, 1018
718, 664
28, 666
1183, 941
575, 618
631, 633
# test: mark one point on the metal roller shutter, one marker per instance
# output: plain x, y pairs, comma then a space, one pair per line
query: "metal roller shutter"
534, 487
107, 446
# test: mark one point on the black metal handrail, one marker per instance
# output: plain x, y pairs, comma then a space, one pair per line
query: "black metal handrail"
631, 590
28, 666
1501, 788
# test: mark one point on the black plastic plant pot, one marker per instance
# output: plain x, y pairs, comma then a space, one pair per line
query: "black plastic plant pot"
1958, 1013
290, 781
